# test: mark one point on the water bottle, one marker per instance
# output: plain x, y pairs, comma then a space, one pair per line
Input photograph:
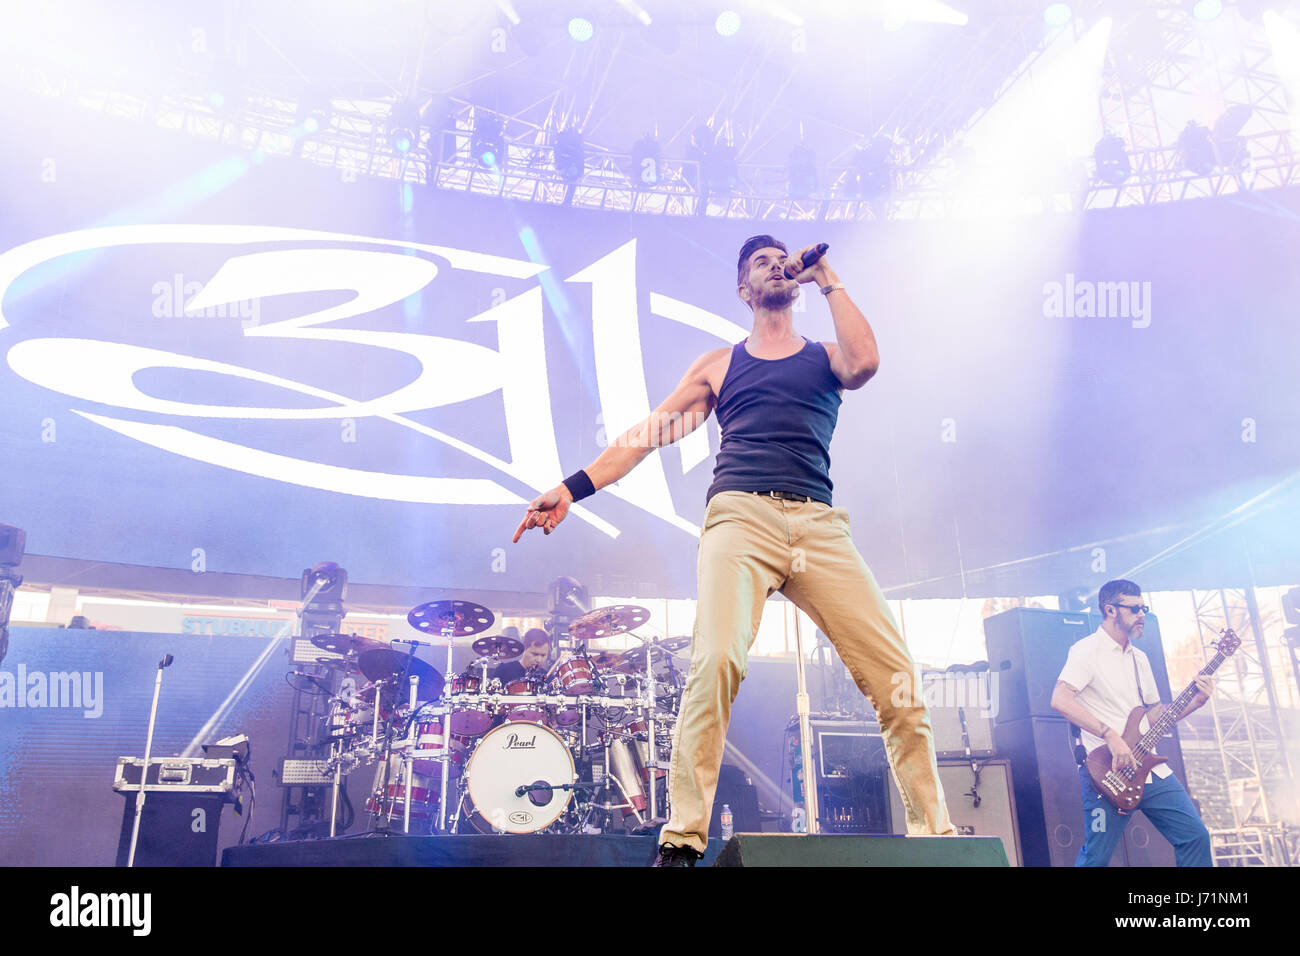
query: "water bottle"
728, 829
798, 822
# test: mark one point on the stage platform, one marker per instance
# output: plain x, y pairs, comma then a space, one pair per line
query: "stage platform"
618, 851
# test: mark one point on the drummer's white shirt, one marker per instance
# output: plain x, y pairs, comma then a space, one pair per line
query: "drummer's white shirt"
1103, 674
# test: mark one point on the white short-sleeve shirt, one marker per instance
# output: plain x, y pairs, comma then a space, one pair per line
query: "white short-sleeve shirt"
1104, 674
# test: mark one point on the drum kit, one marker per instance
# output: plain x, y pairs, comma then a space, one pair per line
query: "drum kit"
583, 748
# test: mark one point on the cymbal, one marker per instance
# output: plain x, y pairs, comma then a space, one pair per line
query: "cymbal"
608, 621
633, 661
464, 617
604, 660
384, 663
345, 643
499, 647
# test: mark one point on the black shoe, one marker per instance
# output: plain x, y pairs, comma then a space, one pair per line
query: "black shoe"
672, 855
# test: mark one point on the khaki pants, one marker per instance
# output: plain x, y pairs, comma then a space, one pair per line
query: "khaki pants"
750, 546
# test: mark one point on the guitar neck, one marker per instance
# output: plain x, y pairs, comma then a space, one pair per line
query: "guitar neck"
1178, 705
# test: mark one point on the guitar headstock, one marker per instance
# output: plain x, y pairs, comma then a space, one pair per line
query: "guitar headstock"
1228, 642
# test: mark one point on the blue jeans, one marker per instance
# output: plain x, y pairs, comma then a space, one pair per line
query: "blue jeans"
1168, 807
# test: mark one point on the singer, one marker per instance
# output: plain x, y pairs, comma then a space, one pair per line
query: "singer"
769, 526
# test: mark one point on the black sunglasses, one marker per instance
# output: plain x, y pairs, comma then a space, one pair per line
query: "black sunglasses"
1134, 608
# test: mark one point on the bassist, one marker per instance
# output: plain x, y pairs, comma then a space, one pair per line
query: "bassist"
1104, 679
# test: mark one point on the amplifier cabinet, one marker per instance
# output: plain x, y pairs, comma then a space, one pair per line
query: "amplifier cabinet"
962, 711
986, 808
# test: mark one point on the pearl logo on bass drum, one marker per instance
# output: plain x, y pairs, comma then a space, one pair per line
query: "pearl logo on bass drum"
513, 742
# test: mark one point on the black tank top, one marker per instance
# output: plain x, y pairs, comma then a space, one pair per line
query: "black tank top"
777, 416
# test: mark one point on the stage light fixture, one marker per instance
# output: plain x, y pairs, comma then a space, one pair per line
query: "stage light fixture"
1057, 14
581, 29
570, 155
801, 172
873, 169
645, 162
1206, 10
488, 141
728, 23
1229, 146
404, 125
1111, 157
1195, 149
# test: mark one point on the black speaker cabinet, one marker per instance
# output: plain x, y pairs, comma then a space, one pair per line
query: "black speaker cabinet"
1027, 648
983, 808
176, 829
1046, 781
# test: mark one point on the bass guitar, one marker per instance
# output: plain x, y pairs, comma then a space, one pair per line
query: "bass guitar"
1123, 787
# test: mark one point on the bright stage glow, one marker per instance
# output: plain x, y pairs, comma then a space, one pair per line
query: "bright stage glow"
779, 11
638, 11
1047, 120
581, 29
1284, 38
1207, 9
728, 23
1058, 14
895, 13
508, 10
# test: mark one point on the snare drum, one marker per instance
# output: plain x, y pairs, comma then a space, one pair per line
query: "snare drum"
526, 687
518, 755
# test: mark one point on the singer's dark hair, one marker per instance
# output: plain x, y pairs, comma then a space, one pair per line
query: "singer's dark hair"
752, 245
1113, 589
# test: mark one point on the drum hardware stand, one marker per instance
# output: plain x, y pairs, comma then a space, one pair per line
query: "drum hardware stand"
144, 770
805, 733
611, 774
407, 759
448, 633
385, 806
652, 763
336, 756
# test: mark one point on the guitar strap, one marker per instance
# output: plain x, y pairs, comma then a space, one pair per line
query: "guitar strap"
1137, 677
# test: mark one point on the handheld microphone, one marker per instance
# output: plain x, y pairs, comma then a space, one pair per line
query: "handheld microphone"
809, 258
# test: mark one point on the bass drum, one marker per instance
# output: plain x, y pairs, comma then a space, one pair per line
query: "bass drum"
514, 755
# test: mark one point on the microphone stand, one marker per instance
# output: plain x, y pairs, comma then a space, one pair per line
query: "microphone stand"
144, 771
805, 733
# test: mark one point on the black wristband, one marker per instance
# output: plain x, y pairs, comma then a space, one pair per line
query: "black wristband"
579, 485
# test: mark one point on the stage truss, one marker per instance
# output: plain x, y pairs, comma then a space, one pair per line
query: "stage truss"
1159, 57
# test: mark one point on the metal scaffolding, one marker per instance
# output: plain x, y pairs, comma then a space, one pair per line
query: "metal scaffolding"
1249, 733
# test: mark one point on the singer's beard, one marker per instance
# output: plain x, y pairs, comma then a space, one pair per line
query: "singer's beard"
782, 297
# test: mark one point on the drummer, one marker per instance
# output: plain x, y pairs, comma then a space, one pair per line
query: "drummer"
531, 663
